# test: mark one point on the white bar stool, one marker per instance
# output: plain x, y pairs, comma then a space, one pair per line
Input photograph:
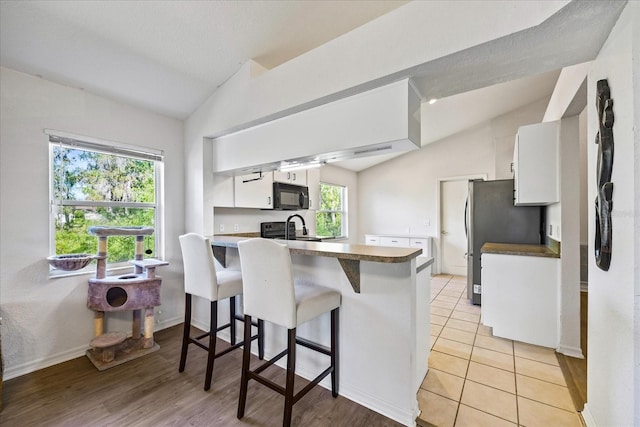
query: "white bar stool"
202, 280
270, 294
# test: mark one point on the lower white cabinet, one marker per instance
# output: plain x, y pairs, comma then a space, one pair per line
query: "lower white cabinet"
396, 242
400, 241
371, 240
520, 297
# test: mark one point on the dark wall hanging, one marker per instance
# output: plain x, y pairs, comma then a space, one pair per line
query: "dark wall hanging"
604, 198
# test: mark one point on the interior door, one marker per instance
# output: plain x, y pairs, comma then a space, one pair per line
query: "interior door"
453, 196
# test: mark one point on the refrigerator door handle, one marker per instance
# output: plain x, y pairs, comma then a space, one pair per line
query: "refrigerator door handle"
466, 218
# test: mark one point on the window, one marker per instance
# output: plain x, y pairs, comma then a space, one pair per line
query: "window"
331, 218
97, 183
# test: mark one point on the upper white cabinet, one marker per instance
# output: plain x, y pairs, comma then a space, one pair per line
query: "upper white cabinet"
298, 177
313, 182
535, 165
253, 191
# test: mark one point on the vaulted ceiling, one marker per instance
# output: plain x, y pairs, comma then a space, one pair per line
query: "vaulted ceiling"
169, 56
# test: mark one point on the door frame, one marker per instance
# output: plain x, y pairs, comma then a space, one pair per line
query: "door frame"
438, 238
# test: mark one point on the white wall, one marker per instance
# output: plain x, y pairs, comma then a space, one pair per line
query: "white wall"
46, 321
613, 371
585, 199
569, 235
398, 196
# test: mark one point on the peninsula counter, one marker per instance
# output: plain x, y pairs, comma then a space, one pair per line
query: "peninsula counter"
384, 320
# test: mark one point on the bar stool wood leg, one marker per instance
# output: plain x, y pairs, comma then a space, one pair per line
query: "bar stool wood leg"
260, 339
291, 372
335, 318
213, 328
246, 355
232, 319
186, 332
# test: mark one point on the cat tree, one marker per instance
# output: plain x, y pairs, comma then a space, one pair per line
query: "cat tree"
137, 291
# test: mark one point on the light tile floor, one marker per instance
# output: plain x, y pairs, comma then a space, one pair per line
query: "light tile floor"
478, 380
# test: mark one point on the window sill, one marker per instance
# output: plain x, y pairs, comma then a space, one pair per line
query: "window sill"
59, 274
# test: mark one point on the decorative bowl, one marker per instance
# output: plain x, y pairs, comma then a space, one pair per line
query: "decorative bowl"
70, 262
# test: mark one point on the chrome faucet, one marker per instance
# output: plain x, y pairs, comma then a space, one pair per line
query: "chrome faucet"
286, 226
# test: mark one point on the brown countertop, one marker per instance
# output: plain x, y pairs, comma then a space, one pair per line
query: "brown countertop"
348, 255
334, 250
519, 249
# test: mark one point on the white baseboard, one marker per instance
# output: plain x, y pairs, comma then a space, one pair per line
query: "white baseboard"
64, 356
44, 362
571, 351
587, 417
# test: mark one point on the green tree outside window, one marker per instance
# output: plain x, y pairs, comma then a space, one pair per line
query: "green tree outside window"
93, 188
331, 214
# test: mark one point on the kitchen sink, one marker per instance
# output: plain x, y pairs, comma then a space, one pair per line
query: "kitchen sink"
304, 239
308, 239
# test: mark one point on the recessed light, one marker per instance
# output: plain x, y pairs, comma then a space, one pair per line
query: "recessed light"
433, 101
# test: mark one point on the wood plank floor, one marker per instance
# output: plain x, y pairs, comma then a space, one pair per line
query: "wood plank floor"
150, 391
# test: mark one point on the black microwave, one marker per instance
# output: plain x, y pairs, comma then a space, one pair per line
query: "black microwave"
289, 197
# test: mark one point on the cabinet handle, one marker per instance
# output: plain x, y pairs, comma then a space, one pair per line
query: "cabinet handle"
294, 176
288, 175
269, 200
511, 167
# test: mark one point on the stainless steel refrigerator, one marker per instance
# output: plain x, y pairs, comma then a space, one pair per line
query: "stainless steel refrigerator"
492, 217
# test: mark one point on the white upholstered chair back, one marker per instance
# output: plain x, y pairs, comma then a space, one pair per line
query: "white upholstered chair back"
199, 266
267, 280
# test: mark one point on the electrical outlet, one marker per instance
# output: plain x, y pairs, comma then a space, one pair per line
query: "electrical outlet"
426, 222
236, 227
550, 229
221, 228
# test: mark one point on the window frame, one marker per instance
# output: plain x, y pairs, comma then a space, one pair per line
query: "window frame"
85, 143
343, 212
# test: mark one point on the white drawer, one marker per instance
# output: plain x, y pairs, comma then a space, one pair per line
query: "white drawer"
372, 240
424, 243
402, 242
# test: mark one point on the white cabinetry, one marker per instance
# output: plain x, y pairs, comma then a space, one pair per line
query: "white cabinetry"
400, 241
520, 297
298, 177
371, 240
313, 182
535, 164
251, 191
421, 242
